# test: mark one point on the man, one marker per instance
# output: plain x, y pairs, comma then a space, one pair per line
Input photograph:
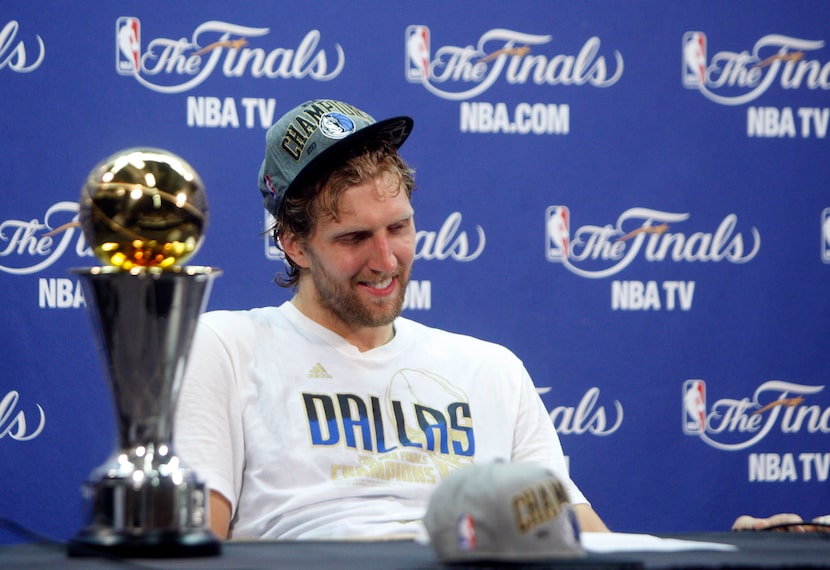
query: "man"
331, 416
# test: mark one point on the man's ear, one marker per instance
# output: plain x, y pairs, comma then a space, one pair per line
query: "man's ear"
294, 248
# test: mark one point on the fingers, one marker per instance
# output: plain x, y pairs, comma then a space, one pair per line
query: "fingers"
782, 518
746, 522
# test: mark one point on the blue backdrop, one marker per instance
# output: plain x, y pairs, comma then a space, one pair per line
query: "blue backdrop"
633, 196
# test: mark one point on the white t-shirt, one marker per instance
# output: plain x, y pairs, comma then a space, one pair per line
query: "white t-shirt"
309, 438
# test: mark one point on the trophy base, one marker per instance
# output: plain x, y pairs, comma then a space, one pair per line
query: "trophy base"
154, 544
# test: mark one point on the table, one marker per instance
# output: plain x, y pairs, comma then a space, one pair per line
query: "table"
755, 550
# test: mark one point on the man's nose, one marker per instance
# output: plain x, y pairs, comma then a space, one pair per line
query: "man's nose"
382, 256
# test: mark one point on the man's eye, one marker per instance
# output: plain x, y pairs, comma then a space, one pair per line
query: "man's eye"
351, 238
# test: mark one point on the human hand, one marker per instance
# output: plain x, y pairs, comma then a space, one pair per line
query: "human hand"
787, 522
746, 522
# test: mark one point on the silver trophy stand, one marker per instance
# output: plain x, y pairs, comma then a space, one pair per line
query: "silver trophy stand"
143, 501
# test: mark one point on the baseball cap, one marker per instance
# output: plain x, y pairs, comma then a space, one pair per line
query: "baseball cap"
502, 512
315, 137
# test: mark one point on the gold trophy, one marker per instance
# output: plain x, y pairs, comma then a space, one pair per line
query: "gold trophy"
144, 212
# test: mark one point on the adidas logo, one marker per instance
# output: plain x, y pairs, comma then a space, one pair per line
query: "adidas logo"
317, 371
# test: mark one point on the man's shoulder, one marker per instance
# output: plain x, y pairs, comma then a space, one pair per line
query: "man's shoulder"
455, 341
239, 321
243, 315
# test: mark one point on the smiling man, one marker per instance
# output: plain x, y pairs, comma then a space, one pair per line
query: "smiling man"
358, 263
331, 416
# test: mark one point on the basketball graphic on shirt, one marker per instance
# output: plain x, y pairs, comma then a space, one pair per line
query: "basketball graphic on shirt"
435, 418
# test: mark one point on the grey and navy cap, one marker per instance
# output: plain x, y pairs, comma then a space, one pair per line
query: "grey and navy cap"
314, 138
502, 512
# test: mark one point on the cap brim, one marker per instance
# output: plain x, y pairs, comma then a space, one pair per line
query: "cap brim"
394, 130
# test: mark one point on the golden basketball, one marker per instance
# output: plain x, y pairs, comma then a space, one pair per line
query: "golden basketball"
143, 207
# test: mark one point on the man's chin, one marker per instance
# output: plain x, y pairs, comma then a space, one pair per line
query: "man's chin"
380, 316
385, 318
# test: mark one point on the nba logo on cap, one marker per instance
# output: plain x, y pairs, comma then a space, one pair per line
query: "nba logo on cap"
825, 235
127, 45
417, 54
558, 233
466, 533
694, 60
694, 407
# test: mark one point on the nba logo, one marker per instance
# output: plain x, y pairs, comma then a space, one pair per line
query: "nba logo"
825, 235
417, 54
127, 45
694, 60
694, 407
558, 233
466, 533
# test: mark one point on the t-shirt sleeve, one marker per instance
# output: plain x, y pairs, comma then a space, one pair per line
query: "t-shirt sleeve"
535, 438
208, 434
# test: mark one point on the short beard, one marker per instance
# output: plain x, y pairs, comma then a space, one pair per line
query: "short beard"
349, 309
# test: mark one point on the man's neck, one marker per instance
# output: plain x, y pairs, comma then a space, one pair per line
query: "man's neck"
361, 337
